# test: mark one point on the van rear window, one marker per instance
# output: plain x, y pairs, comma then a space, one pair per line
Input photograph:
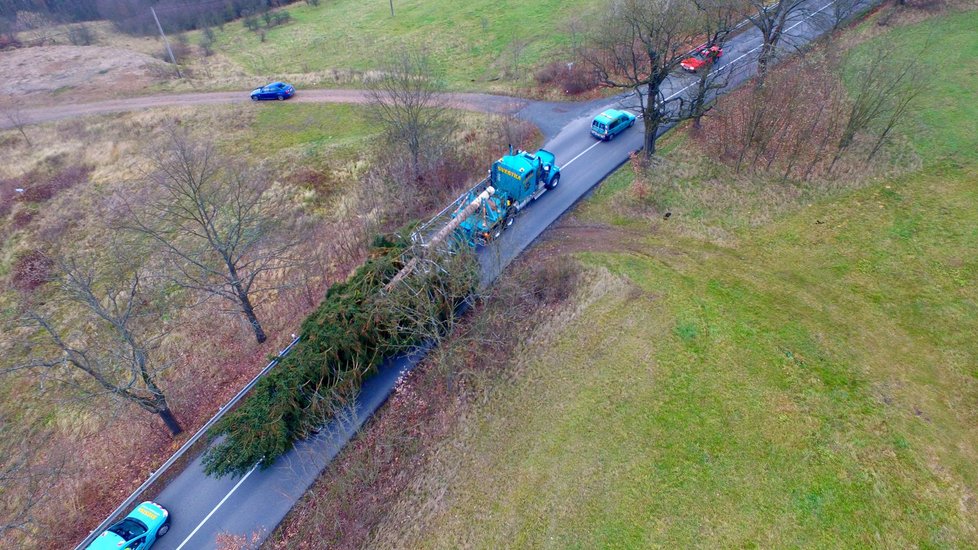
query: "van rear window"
600, 126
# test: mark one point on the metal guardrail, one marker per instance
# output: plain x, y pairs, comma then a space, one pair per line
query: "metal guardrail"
186, 446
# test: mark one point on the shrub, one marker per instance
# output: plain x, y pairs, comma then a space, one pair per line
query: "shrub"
9, 41
281, 18
9, 194
576, 79
22, 218
570, 78
549, 72
43, 189
31, 269
81, 35
207, 40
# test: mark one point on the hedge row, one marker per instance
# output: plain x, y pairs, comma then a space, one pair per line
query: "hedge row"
343, 341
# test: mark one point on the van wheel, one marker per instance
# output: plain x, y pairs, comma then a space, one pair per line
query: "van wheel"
632, 123
164, 529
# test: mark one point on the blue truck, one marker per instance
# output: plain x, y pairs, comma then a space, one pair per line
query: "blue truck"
514, 181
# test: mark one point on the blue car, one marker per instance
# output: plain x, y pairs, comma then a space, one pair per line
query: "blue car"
275, 90
137, 531
610, 123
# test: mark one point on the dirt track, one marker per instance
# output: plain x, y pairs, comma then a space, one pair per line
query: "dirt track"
485, 103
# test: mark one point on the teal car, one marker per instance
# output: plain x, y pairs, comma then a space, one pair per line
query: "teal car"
610, 123
137, 531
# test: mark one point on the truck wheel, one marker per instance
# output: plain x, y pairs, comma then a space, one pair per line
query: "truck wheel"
554, 182
496, 233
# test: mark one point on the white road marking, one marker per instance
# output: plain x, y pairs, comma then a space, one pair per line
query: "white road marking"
219, 504
596, 143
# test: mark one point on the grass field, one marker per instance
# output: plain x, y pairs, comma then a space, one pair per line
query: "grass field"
943, 125
471, 43
811, 382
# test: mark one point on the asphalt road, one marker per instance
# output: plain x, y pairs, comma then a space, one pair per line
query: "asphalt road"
203, 507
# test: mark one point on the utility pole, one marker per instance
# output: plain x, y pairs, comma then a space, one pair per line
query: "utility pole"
167, 42
392, 8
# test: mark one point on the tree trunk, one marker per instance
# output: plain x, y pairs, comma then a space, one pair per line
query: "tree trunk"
249, 312
653, 119
650, 142
246, 307
171, 422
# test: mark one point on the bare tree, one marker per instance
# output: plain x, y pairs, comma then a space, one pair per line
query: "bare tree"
27, 477
717, 19
407, 102
842, 11
772, 20
109, 348
220, 230
517, 48
635, 46
884, 86
14, 116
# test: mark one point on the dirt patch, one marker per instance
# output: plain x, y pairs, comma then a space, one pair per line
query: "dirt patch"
47, 74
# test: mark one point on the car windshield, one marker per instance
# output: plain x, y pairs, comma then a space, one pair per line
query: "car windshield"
129, 528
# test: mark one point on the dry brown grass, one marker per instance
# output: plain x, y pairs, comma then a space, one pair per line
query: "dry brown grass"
74, 176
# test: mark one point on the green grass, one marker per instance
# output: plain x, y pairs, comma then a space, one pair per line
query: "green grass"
814, 387
943, 124
811, 384
312, 127
470, 42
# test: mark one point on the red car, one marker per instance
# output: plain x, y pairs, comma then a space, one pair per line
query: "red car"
702, 56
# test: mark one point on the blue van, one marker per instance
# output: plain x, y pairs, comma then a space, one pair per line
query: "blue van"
610, 123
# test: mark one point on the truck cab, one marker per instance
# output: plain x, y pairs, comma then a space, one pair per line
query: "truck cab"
522, 176
514, 180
